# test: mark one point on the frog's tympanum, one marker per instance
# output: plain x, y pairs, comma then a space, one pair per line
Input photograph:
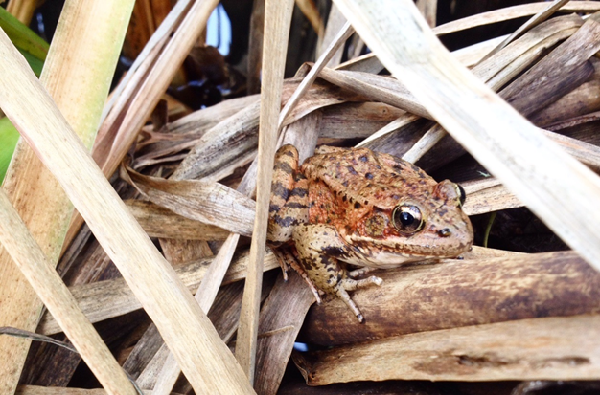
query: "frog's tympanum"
359, 207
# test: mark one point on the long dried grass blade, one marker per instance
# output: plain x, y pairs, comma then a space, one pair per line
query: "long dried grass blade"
531, 23
504, 14
205, 296
339, 39
206, 360
335, 21
162, 222
48, 286
77, 74
277, 25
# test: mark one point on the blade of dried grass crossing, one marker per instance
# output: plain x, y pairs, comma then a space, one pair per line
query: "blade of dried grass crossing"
205, 296
504, 14
205, 359
277, 25
339, 39
560, 190
335, 21
48, 286
531, 23
429, 10
135, 111
77, 74
137, 100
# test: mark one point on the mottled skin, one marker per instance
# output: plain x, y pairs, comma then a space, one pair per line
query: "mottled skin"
360, 207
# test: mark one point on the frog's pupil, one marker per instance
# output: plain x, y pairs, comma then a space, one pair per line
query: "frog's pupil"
463, 195
406, 218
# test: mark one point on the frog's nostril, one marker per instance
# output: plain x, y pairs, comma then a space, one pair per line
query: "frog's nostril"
444, 232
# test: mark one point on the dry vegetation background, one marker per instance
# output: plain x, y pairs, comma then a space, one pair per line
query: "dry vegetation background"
178, 139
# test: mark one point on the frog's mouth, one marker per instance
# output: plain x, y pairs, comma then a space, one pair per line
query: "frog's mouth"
389, 260
393, 252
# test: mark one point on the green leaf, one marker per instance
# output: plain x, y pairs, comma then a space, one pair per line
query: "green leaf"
8, 140
22, 37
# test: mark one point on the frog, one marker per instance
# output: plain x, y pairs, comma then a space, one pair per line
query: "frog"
357, 207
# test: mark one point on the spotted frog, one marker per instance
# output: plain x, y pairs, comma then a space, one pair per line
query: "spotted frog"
360, 207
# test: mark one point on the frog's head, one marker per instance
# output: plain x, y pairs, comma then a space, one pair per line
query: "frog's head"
430, 224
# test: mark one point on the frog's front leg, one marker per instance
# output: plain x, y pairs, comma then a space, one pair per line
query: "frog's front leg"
317, 247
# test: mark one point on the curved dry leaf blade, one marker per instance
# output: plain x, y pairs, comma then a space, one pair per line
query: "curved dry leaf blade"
207, 202
161, 222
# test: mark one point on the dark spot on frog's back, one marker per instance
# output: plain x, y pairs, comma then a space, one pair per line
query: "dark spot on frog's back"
369, 176
289, 153
419, 171
352, 170
363, 158
274, 207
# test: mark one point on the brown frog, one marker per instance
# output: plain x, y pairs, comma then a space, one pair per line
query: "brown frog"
360, 207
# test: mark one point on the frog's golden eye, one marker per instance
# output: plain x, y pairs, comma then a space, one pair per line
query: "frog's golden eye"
407, 218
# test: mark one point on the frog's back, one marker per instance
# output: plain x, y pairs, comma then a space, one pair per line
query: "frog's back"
367, 177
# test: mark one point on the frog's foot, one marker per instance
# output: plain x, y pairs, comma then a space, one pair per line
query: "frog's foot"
361, 272
350, 284
341, 293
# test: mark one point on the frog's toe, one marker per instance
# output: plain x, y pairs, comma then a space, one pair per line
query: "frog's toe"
342, 294
361, 272
376, 280
350, 284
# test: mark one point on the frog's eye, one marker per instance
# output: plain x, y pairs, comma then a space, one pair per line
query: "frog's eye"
407, 218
